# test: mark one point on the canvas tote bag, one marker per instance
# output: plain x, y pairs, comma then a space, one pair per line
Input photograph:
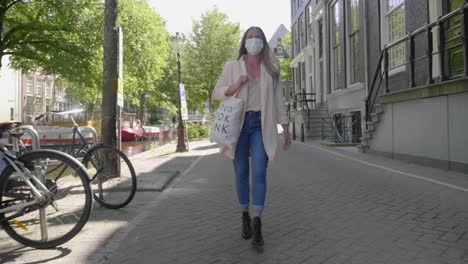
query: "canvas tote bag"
226, 126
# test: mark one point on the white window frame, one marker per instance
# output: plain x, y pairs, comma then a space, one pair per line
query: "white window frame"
333, 65
39, 88
349, 67
48, 88
385, 33
29, 86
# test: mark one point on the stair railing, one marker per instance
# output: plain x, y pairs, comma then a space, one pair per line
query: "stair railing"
450, 42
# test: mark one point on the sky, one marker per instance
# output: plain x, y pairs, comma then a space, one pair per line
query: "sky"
268, 14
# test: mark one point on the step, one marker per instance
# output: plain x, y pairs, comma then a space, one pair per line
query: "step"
371, 126
378, 108
363, 148
366, 135
375, 117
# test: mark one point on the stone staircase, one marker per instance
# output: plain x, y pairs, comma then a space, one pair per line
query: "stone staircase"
372, 125
313, 121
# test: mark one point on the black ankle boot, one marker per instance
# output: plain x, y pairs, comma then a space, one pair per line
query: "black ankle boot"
246, 225
257, 232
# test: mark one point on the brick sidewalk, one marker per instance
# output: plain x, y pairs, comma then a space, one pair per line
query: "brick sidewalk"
154, 168
322, 207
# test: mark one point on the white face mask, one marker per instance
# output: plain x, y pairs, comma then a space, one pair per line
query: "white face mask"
254, 46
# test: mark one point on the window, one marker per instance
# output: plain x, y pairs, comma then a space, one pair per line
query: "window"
320, 36
310, 32
48, 89
336, 45
29, 86
279, 50
303, 76
301, 32
38, 88
354, 43
455, 63
295, 40
395, 20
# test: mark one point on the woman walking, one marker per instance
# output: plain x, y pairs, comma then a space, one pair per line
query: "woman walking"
254, 78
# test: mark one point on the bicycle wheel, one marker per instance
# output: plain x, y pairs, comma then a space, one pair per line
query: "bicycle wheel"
56, 219
113, 178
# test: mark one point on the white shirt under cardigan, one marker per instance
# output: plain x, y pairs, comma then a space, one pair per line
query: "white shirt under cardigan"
271, 98
254, 101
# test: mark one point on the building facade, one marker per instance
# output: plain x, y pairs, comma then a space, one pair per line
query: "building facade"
30, 94
388, 74
10, 83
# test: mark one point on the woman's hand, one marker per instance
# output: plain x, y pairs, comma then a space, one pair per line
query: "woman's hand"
236, 86
242, 80
287, 137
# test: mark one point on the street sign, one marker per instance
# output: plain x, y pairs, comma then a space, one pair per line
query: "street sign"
207, 106
184, 112
120, 97
183, 99
183, 102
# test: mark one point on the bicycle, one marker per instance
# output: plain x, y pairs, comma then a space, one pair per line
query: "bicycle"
35, 210
110, 169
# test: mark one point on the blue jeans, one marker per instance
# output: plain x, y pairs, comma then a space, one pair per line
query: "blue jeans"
251, 142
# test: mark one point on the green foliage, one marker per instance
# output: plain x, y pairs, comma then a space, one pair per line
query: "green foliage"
197, 130
146, 48
212, 43
285, 63
166, 95
60, 37
65, 38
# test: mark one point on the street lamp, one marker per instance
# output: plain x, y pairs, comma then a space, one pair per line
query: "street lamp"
177, 43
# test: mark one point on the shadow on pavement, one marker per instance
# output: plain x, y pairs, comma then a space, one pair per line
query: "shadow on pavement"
14, 253
154, 174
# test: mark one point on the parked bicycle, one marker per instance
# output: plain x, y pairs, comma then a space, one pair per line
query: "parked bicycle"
112, 173
45, 195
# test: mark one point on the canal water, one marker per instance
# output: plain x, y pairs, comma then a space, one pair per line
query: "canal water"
134, 147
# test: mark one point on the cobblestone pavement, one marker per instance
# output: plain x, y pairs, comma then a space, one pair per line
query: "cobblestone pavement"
324, 205
155, 169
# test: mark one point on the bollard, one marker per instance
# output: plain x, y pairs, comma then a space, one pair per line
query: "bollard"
294, 130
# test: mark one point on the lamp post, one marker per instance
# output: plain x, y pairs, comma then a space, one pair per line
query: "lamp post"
177, 42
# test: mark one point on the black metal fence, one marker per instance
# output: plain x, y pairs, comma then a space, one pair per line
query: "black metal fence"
443, 41
342, 128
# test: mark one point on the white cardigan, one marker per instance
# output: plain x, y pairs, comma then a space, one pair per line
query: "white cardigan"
273, 110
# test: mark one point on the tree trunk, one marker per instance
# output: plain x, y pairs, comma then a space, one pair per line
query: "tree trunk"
110, 75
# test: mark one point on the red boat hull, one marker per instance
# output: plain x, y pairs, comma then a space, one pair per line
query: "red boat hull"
129, 134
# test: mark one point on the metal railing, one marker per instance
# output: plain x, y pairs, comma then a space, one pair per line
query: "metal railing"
303, 99
341, 129
452, 54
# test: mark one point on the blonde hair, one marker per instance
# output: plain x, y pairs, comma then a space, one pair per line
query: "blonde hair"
266, 55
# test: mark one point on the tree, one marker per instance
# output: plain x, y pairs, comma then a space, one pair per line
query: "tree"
212, 43
285, 63
65, 38
56, 37
146, 51
48, 34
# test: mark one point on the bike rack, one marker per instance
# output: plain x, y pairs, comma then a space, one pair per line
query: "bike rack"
34, 136
93, 132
